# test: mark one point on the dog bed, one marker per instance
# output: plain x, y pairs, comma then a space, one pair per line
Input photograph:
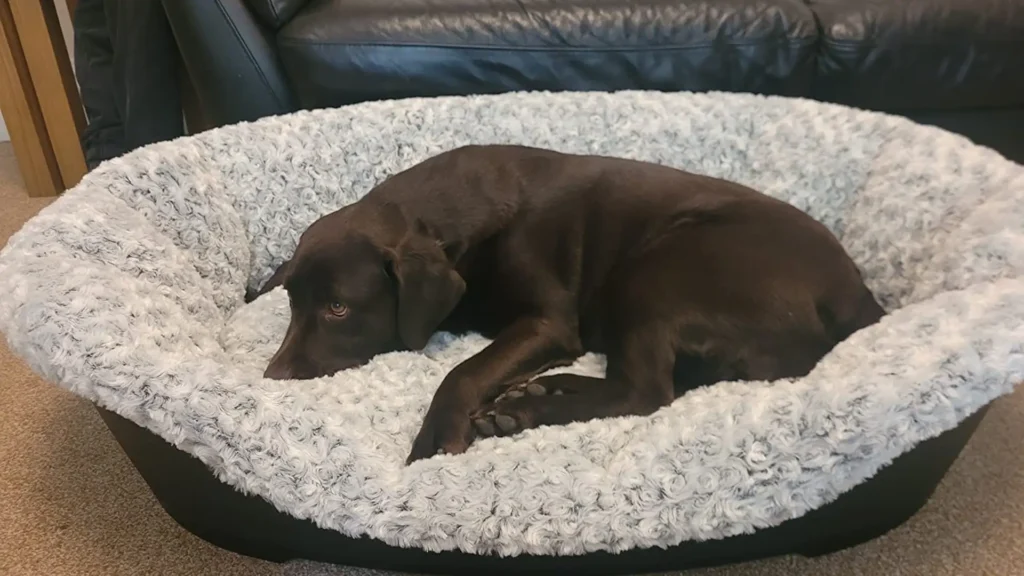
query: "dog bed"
128, 291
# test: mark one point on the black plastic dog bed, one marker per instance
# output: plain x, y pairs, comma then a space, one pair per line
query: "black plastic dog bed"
129, 291
249, 525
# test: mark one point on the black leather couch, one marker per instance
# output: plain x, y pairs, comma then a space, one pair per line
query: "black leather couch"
958, 64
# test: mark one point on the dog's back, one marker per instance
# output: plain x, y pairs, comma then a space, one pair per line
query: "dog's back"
749, 281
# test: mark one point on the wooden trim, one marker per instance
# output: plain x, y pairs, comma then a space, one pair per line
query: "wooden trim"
23, 115
54, 80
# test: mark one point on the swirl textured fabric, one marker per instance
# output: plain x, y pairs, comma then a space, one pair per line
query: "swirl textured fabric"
128, 291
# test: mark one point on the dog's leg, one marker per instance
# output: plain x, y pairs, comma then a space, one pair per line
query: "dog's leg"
638, 382
526, 348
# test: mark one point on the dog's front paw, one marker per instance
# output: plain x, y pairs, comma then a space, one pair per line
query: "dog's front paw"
442, 432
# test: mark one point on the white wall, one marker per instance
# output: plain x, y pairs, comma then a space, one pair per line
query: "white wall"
65, 24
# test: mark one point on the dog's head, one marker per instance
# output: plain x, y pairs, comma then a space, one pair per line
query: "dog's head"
361, 284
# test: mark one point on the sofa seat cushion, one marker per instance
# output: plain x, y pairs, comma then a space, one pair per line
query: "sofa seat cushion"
274, 13
374, 49
920, 54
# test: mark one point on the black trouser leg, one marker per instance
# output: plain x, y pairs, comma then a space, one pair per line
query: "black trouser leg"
126, 63
103, 137
145, 71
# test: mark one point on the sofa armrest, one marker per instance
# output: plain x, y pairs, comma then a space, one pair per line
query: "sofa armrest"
231, 59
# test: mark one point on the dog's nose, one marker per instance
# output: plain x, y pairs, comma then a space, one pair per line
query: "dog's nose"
279, 371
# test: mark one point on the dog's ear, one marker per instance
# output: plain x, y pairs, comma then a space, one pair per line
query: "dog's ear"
276, 279
429, 288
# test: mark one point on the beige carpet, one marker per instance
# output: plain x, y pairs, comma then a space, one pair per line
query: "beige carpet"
71, 503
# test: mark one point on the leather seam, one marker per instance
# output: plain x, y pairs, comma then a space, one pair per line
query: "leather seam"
799, 42
922, 44
249, 54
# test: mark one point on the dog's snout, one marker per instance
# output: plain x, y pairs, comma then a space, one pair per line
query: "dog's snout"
283, 364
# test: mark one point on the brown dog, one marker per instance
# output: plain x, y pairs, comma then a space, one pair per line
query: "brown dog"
681, 280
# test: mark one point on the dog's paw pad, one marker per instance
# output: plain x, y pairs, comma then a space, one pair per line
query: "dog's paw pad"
484, 427
523, 390
490, 423
507, 423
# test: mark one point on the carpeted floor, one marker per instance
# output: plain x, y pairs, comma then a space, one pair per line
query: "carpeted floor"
71, 503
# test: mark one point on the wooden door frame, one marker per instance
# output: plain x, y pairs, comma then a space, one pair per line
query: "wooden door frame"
39, 96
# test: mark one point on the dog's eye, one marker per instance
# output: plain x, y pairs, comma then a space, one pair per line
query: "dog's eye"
338, 309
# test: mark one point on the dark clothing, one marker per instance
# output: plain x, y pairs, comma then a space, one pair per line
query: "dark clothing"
126, 62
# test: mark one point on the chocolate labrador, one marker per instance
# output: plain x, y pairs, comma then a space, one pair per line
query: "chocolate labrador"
681, 280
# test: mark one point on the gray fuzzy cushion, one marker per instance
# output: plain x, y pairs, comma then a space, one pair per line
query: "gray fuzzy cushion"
128, 291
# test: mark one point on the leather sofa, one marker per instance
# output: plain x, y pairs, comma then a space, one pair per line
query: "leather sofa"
958, 64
